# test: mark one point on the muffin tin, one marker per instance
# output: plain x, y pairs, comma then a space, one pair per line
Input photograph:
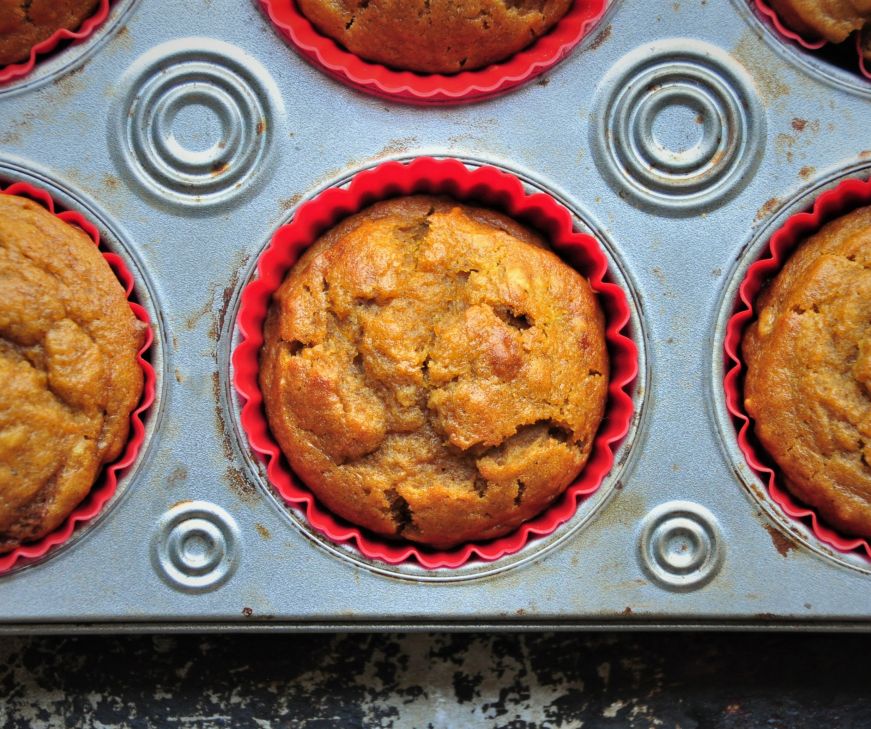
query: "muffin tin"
681, 135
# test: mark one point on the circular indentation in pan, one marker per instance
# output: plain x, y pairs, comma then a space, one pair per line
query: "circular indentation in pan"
798, 530
195, 125
196, 546
112, 239
678, 126
680, 547
67, 54
588, 507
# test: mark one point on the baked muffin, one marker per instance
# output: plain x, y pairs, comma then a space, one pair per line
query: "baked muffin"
808, 383
433, 372
68, 368
833, 20
24, 23
434, 36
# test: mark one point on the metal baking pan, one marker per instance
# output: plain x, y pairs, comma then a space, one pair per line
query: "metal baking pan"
128, 128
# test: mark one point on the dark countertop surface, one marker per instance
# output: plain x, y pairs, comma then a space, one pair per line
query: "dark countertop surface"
510, 681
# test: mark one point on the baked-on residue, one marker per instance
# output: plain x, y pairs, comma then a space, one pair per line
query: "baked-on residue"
432, 372
69, 375
434, 36
808, 384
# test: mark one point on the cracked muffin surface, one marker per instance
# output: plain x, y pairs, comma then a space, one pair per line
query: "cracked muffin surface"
434, 36
833, 20
69, 374
808, 382
24, 23
433, 372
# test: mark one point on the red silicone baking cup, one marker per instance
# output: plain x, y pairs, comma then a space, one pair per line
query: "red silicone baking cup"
88, 26
806, 43
847, 196
419, 88
484, 185
107, 483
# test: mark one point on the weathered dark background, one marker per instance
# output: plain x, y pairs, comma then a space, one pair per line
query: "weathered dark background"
594, 681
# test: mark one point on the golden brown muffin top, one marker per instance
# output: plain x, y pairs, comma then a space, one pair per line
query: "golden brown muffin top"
808, 382
24, 23
833, 20
68, 364
434, 36
432, 372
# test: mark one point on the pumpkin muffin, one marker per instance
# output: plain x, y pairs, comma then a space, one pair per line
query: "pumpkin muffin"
24, 23
808, 383
434, 36
68, 367
433, 372
833, 20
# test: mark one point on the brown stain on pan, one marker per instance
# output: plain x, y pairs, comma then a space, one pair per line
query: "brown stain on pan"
12, 134
600, 39
240, 485
757, 59
122, 40
110, 182
769, 207
233, 476
289, 203
783, 145
69, 84
766, 616
194, 319
178, 474
208, 307
800, 125
396, 146
227, 296
781, 542
219, 417
796, 139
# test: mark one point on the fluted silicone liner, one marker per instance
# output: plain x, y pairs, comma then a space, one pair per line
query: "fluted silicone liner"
419, 88
88, 26
485, 186
847, 196
808, 44
107, 482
